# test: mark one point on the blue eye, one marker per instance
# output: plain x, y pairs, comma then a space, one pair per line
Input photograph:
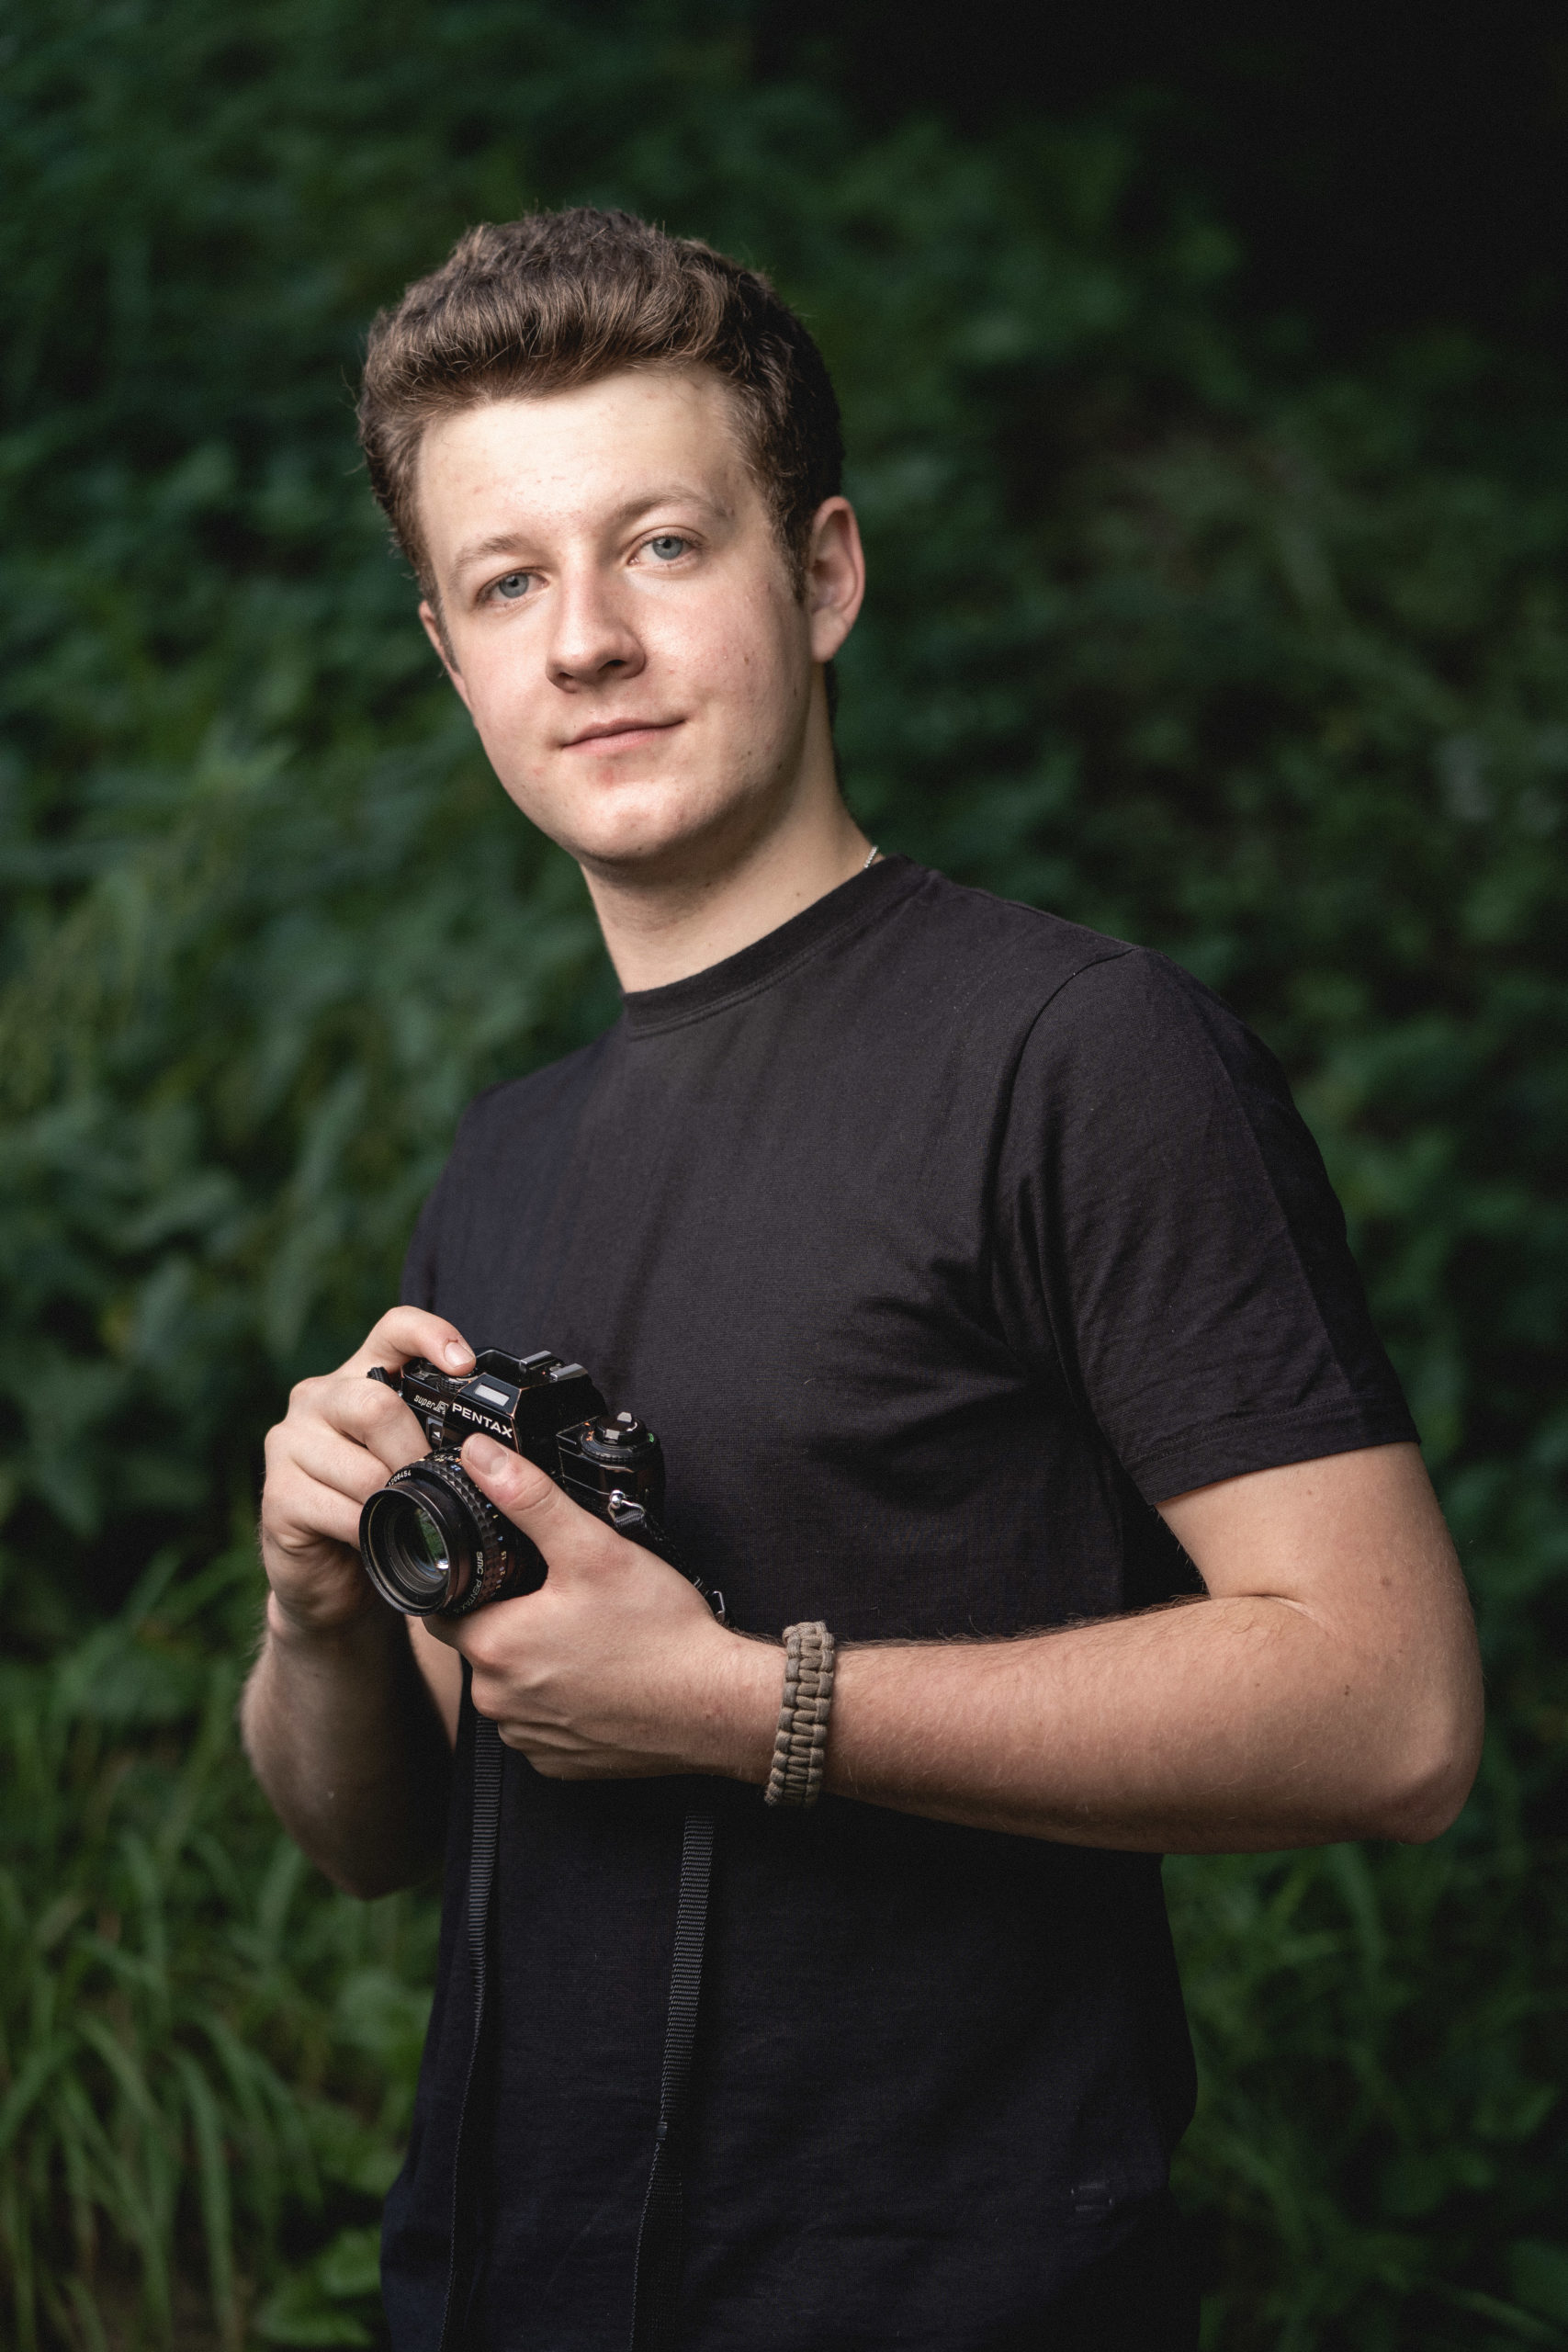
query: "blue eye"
514, 586
666, 547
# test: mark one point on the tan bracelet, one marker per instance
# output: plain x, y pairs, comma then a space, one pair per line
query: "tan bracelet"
800, 1751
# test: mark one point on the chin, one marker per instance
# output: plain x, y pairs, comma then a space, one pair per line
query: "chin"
645, 831
637, 854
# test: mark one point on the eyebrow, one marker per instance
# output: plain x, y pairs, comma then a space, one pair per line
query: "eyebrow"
670, 494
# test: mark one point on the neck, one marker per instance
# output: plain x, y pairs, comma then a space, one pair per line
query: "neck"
665, 927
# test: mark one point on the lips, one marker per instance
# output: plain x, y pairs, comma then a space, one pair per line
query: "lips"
612, 733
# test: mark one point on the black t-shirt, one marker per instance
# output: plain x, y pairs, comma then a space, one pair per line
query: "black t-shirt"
939, 1239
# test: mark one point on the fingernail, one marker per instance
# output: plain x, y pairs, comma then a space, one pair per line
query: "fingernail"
457, 1354
483, 1453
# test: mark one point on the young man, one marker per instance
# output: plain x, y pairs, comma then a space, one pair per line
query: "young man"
982, 1284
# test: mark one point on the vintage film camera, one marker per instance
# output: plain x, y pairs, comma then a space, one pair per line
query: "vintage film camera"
433, 1545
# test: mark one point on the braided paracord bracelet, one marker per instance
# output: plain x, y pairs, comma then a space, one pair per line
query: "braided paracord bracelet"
800, 1751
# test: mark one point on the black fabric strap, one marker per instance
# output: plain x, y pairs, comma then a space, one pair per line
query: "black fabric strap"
660, 2246
657, 2282
489, 1758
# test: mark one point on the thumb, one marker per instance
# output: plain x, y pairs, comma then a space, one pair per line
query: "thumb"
530, 1499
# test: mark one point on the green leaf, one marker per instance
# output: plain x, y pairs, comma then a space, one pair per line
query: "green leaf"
298, 2312
351, 2266
307, 2308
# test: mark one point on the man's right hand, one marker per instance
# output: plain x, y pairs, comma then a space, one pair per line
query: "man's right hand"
340, 1438
348, 1725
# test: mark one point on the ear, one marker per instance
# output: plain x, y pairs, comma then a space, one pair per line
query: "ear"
436, 630
835, 577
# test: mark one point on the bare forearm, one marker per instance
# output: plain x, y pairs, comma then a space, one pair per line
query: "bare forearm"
346, 1742
1328, 1687
1214, 1725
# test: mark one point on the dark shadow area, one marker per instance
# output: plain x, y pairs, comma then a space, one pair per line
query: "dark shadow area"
1382, 171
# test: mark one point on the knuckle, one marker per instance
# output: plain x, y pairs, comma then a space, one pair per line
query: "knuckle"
489, 1699
365, 1407
535, 1491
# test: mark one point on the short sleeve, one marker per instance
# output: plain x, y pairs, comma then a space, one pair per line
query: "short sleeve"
1170, 1245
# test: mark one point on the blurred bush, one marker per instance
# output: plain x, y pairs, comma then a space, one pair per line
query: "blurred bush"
1266, 666
209, 2058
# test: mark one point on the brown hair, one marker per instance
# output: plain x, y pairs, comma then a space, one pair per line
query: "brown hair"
561, 299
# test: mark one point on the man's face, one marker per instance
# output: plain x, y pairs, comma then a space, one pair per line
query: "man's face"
619, 617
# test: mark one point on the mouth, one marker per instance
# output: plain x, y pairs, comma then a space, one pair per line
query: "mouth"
619, 734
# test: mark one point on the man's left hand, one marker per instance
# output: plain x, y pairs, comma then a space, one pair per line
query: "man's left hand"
615, 1668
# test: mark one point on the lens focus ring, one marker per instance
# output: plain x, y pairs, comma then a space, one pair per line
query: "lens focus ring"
492, 1555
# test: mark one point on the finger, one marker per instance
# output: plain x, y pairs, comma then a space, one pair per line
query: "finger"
356, 1471
364, 1414
374, 1417
490, 1642
300, 1512
562, 1530
450, 1630
405, 1331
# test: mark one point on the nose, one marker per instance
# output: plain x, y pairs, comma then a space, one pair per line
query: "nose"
591, 636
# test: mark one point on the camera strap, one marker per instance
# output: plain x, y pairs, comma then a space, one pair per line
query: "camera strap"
489, 1758
661, 2240
661, 2236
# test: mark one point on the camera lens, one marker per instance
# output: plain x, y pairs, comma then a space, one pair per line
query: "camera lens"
433, 1543
413, 1549
409, 1542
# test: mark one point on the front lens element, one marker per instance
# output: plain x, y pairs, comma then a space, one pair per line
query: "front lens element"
408, 1550
432, 1542
418, 1548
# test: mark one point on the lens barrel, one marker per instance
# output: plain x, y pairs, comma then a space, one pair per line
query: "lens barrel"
433, 1544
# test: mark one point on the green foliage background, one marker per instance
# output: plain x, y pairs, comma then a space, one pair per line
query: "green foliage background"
1263, 662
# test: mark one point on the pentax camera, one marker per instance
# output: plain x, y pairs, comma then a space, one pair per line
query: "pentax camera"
435, 1545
